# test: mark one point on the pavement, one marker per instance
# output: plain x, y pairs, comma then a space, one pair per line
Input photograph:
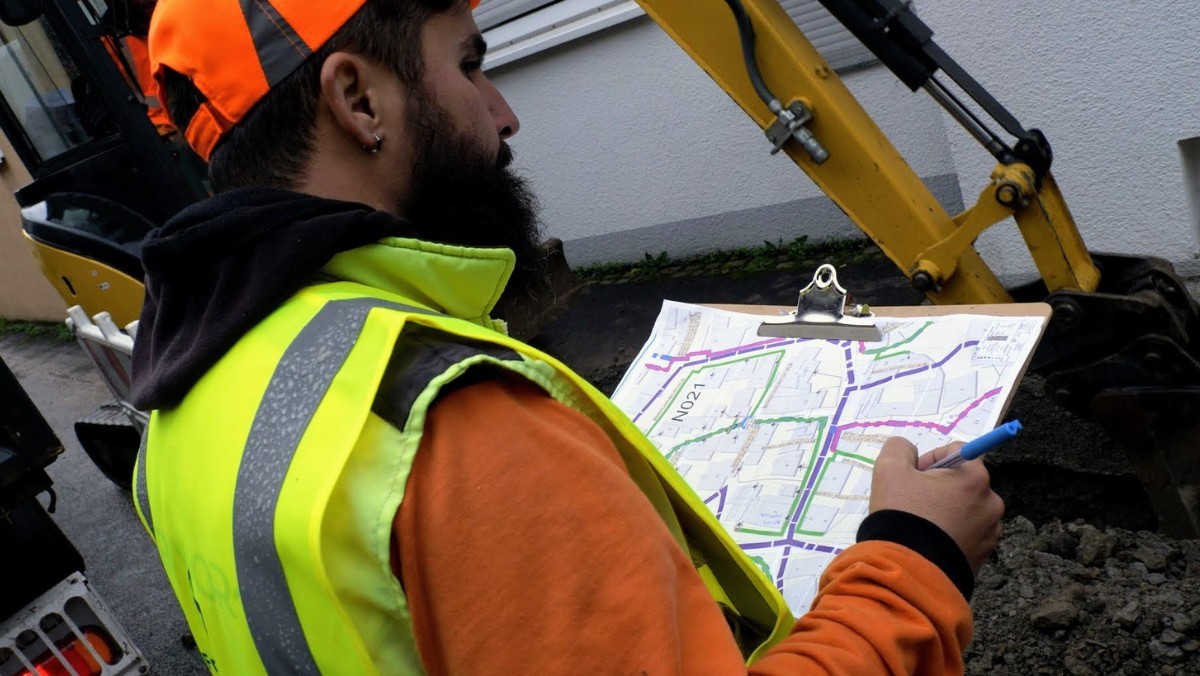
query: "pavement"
1061, 467
97, 516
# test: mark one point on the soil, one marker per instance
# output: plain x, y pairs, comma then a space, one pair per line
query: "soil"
1076, 599
1080, 583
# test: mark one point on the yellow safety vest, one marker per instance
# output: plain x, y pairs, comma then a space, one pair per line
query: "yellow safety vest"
271, 490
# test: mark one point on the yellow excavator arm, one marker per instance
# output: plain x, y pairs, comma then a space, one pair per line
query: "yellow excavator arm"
859, 168
1122, 345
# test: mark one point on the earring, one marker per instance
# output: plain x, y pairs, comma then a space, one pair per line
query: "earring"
374, 150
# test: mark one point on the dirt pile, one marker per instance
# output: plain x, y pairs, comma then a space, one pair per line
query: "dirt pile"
1075, 599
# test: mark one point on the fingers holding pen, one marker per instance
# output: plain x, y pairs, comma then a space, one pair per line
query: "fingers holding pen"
937, 454
959, 500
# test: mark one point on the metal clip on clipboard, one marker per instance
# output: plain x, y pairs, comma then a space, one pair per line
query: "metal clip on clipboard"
822, 313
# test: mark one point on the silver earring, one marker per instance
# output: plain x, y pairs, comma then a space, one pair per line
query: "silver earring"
374, 150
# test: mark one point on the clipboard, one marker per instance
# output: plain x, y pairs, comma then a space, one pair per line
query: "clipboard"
738, 416
849, 331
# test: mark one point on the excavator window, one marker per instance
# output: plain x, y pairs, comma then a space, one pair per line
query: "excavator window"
40, 87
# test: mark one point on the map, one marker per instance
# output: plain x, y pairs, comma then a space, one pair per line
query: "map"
779, 435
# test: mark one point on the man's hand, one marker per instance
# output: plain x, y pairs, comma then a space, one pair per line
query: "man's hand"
959, 500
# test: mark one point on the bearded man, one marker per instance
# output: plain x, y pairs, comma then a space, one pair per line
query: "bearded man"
351, 468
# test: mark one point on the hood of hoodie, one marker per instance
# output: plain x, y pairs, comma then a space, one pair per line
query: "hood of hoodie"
221, 266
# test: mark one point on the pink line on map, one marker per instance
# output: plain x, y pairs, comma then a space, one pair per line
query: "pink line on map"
710, 354
944, 429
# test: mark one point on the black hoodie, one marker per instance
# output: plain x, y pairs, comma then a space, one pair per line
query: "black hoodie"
221, 266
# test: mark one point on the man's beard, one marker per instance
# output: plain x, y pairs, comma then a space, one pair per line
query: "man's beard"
460, 195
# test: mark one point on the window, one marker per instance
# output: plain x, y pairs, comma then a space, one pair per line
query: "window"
1190, 149
495, 12
838, 45
36, 86
518, 28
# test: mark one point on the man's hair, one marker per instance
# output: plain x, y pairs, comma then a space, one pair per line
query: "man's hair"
273, 144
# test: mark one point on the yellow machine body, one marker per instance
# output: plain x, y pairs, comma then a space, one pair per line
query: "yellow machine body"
89, 283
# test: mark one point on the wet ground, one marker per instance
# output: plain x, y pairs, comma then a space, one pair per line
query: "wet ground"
98, 517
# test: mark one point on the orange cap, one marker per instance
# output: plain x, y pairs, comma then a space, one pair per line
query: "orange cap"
234, 51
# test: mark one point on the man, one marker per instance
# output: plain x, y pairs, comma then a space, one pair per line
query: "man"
349, 467
125, 26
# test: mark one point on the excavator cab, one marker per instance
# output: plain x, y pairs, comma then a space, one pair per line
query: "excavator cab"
72, 109
103, 174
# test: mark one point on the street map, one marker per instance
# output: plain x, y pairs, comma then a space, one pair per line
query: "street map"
779, 435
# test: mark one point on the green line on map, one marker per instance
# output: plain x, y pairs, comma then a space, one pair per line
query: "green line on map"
885, 351
683, 385
821, 423
861, 458
702, 437
762, 563
804, 514
770, 381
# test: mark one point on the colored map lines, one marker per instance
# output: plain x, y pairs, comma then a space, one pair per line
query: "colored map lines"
779, 435
676, 364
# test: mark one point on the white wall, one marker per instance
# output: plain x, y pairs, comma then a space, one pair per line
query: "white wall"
1115, 86
634, 149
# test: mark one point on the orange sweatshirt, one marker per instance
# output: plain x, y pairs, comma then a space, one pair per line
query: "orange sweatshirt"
524, 548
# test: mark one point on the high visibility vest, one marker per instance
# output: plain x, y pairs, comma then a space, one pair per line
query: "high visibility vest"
271, 490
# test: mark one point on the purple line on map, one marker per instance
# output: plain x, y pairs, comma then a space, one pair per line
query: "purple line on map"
706, 356
719, 496
791, 542
849, 364
934, 365
709, 355
912, 372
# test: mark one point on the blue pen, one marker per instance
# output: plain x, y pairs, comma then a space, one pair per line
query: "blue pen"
974, 449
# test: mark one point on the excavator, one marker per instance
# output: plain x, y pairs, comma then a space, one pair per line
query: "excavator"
1121, 348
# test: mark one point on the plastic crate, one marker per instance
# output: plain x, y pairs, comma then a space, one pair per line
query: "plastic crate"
34, 640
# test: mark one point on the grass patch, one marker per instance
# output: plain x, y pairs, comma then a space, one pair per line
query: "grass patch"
741, 262
55, 330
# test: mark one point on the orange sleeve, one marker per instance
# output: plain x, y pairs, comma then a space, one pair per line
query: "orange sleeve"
524, 548
882, 609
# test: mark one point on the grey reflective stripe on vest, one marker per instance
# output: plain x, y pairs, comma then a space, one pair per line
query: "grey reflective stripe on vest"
294, 393
280, 49
422, 354
143, 494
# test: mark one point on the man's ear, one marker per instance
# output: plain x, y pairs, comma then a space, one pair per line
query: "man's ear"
348, 88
